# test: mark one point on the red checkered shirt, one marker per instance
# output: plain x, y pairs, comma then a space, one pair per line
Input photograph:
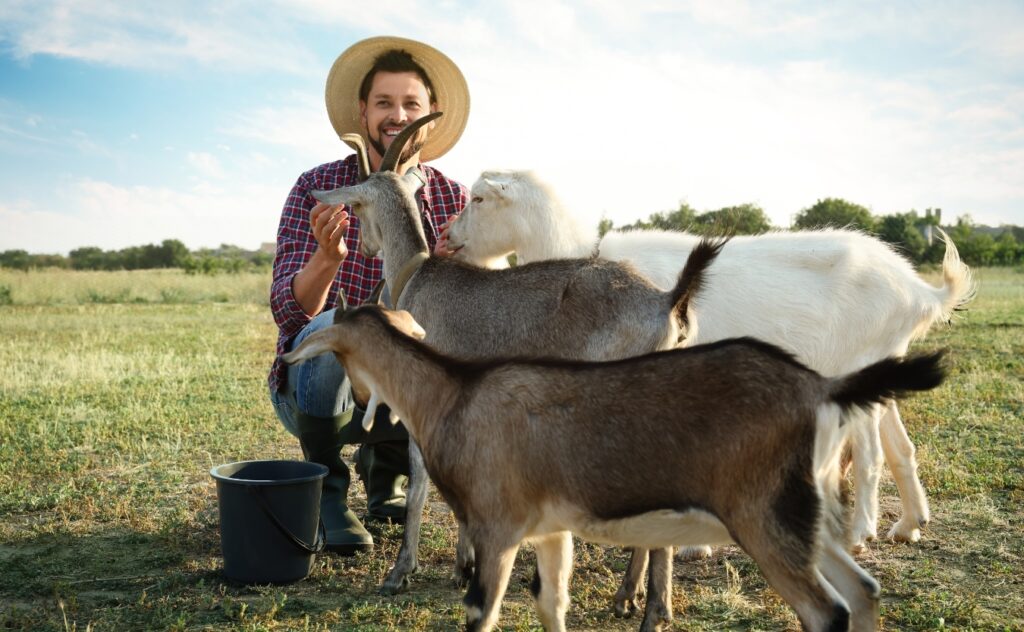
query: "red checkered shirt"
440, 199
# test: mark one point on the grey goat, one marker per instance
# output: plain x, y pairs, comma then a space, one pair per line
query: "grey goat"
583, 309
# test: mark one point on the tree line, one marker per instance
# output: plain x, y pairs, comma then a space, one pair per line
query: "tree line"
170, 253
911, 233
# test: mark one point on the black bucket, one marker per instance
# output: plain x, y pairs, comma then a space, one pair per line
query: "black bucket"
270, 526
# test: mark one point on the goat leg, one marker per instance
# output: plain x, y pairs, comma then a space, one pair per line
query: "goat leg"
867, 468
490, 579
691, 553
658, 610
550, 586
406, 564
900, 455
465, 559
627, 597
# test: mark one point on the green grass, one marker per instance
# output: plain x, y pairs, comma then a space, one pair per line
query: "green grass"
119, 392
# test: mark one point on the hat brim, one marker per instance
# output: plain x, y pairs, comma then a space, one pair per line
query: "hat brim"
450, 90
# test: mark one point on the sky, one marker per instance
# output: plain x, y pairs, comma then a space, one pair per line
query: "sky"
127, 123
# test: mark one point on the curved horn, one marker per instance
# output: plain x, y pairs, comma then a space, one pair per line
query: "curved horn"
355, 141
394, 152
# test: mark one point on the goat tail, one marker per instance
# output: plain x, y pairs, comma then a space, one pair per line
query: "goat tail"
888, 379
958, 286
317, 343
691, 279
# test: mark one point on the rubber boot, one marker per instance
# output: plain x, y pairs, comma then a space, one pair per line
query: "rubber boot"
321, 441
384, 468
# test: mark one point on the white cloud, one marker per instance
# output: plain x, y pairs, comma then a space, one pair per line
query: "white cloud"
299, 124
630, 133
624, 114
206, 164
153, 34
93, 212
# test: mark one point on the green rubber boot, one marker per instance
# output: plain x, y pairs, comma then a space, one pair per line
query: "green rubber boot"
321, 441
384, 468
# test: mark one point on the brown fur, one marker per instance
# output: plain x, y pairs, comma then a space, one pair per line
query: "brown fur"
730, 428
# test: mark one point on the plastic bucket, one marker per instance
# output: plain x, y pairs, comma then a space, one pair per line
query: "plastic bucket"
270, 528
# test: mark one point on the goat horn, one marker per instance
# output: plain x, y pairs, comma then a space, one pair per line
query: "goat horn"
394, 152
355, 141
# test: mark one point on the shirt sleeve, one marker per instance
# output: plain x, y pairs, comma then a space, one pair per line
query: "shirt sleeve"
446, 199
295, 246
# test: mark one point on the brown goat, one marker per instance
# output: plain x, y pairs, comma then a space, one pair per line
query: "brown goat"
733, 441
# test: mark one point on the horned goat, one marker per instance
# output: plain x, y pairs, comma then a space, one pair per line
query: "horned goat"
572, 309
734, 441
837, 299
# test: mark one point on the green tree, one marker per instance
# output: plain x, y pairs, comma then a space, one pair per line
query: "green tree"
1007, 252
679, 219
604, 227
15, 259
901, 231
745, 219
49, 261
88, 258
963, 229
834, 212
978, 250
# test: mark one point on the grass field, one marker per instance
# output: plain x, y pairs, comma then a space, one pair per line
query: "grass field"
119, 392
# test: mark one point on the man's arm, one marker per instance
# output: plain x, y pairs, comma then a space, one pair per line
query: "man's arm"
312, 284
303, 269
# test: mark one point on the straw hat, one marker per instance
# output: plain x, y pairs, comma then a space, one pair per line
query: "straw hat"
450, 90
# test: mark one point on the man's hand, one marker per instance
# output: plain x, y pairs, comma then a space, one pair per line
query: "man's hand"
441, 247
329, 223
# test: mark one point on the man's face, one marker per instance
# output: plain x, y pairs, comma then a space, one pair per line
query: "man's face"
395, 100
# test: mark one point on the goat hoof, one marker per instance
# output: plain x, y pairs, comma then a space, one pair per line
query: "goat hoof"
655, 623
861, 535
462, 575
902, 531
625, 608
396, 584
693, 553
392, 589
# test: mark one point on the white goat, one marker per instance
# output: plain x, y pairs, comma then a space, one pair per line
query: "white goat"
838, 299
732, 441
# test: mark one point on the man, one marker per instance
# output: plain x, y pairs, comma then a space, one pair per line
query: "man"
375, 88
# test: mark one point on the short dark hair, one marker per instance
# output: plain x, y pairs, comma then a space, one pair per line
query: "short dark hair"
395, 60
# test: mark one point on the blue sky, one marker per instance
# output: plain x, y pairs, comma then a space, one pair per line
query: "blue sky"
124, 123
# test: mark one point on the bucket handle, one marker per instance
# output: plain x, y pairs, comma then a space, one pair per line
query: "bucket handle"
321, 536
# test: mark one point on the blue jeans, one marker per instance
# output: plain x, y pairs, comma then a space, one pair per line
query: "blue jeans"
320, 388
317, 387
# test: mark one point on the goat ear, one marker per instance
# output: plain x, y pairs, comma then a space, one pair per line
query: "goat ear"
343, 195
405, 323
318, 343
500, 188
412, 181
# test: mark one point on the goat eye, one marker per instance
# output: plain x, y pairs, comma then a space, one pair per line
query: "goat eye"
477, 199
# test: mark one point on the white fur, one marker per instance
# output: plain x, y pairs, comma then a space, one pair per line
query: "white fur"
838, 299
653, 530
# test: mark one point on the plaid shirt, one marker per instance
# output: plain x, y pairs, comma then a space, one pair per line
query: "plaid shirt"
439, 199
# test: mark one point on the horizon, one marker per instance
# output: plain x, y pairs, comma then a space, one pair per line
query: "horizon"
128, 125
